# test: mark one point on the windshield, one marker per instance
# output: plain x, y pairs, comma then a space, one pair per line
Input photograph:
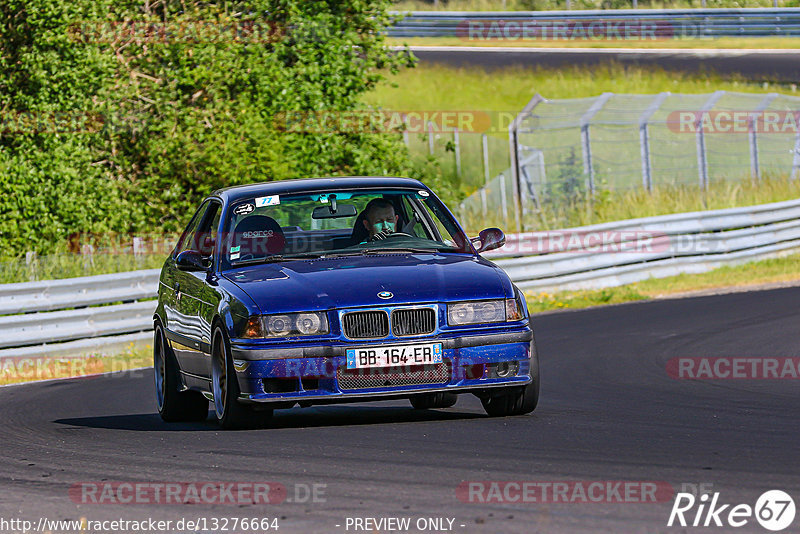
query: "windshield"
341, 222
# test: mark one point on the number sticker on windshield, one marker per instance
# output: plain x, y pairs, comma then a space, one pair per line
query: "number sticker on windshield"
272, 200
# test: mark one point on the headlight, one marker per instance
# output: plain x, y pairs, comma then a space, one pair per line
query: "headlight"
483, 311
288, 324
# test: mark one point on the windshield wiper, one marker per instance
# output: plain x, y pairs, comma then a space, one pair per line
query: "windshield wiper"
275, 258
383, 250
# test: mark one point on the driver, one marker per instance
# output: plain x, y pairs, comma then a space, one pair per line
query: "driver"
380, 219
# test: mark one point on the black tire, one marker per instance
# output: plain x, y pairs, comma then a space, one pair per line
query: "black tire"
231, 414
516, 400
173, 404
427, 401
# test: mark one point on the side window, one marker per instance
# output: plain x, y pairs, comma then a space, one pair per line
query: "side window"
213, 229
187, 241
201, 233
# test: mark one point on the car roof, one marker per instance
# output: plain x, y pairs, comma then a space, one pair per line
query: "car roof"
283, 187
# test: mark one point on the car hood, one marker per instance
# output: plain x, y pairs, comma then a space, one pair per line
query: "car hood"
346, 282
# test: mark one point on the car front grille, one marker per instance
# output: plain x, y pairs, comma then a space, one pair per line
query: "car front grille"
366, 324
379, 377
413, 322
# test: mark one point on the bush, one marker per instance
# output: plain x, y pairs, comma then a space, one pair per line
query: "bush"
160, 119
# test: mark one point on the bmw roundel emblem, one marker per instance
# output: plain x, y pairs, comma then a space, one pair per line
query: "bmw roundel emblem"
385, 295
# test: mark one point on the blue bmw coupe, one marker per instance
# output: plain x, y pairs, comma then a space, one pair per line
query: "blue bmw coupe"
336, 290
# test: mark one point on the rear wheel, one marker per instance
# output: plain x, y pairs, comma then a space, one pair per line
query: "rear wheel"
427, 401
173, 404
231, 414
516, 400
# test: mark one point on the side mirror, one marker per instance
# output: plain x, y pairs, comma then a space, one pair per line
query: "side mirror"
191, 260
491, 238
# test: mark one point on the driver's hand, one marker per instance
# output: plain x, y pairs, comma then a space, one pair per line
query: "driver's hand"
380, 236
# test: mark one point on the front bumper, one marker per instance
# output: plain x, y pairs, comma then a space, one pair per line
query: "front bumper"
316, 373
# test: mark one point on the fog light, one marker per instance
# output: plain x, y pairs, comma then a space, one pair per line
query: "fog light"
506, 369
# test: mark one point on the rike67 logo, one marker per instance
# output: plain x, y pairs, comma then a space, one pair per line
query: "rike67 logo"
774, 510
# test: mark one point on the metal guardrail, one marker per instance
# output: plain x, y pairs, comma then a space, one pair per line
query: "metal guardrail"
664, 23
68, 325
638, 249
684, 242
76, 292
30, 326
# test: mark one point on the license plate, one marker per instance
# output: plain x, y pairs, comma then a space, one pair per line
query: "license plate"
394, 355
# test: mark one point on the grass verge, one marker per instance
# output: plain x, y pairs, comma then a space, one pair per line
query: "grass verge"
769, 271
436, 87
33, 369
71, 265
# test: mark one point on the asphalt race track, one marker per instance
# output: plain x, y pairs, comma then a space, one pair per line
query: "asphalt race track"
609, 412
761, 65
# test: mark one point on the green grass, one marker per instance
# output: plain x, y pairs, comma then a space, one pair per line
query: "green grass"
15, 371
66, 265
636, 203
444, 88
784, 269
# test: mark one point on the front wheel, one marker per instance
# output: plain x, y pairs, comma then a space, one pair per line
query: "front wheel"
231, 414
516, 400
427, 401
173, 404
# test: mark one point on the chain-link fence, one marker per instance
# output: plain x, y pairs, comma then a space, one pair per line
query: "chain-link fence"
568, 150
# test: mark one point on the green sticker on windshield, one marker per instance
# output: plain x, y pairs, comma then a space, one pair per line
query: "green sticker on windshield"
236, 249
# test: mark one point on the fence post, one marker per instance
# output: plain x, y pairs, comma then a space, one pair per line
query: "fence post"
752, 135
458, 152
430, 138
796, 155
644, 140
486, 176
405, 131
485, 146
503, 201
513, 147
702, 160
586, 144
31, 263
